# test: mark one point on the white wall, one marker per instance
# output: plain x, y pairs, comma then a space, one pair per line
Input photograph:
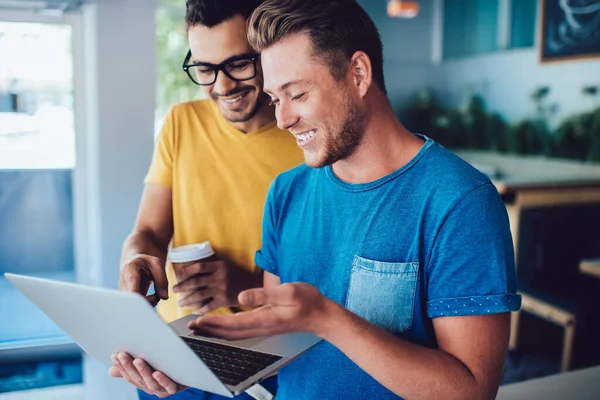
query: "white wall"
507, 79
115, 148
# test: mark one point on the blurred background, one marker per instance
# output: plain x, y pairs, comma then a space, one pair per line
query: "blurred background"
512, 86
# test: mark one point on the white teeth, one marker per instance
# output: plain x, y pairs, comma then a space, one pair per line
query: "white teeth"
234, 99
306, 136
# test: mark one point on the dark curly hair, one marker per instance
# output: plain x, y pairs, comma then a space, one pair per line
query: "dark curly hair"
212, 12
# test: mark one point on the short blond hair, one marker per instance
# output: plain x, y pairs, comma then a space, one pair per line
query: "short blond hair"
336, 28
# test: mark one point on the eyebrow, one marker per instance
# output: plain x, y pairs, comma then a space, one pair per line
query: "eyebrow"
287, 85
243, 56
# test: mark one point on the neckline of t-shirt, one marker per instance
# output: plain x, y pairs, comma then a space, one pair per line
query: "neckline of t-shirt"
235, 131
361, 187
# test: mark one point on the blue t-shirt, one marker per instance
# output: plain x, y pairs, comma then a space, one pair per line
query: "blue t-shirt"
431, 239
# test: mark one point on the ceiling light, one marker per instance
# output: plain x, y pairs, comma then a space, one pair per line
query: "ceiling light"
402, 8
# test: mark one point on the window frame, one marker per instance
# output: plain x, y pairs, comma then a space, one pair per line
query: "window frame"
503, 35
61, 347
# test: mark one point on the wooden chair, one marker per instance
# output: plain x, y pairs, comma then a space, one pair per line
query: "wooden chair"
549, 311
536, 302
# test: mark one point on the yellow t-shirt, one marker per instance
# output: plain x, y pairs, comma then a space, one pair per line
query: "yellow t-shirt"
219, 177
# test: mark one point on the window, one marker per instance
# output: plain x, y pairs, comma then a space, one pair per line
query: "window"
172, 85
470, 27
522, 23
473, 27
37, 158
36, 97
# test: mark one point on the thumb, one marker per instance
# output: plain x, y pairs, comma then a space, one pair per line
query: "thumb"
114, 372
275, 295
159, 276
253, 297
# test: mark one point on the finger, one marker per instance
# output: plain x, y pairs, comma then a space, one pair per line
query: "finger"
263, 317
153, 299
197, 298
131, 279
199, 268
194, 282
212, 305
146, 373
114, 372
170, 386
121, 371
127, 364
280, 295
259, 322
159, 276
253, 297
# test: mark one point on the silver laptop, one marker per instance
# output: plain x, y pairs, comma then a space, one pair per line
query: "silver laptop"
104, 321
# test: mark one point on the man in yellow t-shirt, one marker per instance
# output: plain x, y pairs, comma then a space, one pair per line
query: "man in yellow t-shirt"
208, 180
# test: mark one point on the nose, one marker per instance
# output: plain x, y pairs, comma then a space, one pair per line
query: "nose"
223, 85
286, 117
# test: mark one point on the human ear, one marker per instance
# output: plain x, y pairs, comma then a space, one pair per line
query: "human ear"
361, 72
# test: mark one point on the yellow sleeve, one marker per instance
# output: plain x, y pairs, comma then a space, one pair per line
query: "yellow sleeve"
161, 168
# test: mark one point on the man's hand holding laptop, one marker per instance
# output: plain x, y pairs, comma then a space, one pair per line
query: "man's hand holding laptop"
286, 308
203, 280
138, 373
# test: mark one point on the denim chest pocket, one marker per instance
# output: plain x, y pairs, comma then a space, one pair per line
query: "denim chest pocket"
383, 293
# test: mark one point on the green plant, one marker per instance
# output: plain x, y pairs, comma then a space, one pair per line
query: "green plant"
578, 137
425, 115
590, 90
529, 137
538, 97
473, 127
497, 131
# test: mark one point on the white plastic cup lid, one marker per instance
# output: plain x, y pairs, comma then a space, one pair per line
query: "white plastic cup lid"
191, 252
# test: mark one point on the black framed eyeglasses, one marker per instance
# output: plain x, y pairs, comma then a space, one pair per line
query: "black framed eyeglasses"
238, 68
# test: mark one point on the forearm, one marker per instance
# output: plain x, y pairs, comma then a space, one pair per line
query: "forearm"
408, 370
144, 242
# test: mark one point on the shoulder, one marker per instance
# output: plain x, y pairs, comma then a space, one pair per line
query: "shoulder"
184, 120
450, 177
291, 182
293, 177
202, 108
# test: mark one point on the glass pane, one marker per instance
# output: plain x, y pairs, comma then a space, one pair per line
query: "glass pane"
522, 23
36, 97
37, 156
470, 27
173, 85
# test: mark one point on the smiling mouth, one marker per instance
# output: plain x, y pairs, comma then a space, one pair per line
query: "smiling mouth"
305, 137
235, 99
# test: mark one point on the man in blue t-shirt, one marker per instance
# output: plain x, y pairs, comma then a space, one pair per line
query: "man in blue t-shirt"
389, 247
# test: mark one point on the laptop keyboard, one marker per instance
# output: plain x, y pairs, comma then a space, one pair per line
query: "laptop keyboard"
230, 364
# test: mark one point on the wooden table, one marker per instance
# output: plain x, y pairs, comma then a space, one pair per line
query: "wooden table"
583, 384
538, 182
